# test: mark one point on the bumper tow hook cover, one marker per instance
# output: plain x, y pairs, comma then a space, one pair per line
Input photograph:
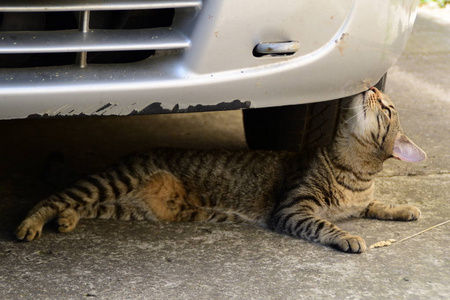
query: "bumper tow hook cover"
277, 48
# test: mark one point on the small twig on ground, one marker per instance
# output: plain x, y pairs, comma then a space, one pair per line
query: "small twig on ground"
392, 241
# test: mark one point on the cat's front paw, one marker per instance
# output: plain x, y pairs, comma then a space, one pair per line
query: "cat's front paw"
350, 244
29, 230
407, 213
67, 220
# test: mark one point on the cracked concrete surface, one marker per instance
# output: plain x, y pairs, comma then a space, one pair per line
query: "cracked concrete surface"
146, 260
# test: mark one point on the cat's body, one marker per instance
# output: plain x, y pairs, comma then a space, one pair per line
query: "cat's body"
291, 193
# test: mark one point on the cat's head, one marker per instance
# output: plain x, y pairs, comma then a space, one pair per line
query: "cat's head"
373, 122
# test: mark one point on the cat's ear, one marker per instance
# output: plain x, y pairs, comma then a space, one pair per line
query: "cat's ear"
406, 150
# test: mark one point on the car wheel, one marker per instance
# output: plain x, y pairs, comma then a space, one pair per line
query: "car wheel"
294, 127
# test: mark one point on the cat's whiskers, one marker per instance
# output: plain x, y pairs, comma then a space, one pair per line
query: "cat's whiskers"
362, 112
352, 107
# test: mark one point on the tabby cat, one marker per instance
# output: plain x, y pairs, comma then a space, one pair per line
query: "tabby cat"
295, 194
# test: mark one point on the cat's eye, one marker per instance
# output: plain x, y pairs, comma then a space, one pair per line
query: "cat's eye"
387, 112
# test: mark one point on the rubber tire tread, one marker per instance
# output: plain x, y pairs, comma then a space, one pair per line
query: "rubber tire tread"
293, 127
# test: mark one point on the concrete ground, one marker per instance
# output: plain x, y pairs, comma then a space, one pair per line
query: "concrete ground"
146, 260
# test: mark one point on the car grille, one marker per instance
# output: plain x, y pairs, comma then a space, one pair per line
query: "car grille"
76, 32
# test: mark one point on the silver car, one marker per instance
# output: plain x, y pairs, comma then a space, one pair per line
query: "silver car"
134, 57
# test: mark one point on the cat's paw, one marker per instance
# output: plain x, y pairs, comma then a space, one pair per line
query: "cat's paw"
67, 220
413, 213
350, 244
407, 213
29, 230
392, 212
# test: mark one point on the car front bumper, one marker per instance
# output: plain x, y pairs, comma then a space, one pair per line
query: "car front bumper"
345, 47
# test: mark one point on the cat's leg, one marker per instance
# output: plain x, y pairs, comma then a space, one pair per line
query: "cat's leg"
300, 220
378, 210
103, 195
68, 206
67, 216
61, 207
45, 211
67, 220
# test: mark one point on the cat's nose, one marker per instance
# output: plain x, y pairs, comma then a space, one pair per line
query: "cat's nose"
377, 92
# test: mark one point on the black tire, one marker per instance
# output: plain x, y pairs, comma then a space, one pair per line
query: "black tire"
294, 127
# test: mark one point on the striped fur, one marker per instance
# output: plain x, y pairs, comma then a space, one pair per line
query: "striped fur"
298, 195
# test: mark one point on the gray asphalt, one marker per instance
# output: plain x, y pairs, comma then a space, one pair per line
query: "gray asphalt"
145, 260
